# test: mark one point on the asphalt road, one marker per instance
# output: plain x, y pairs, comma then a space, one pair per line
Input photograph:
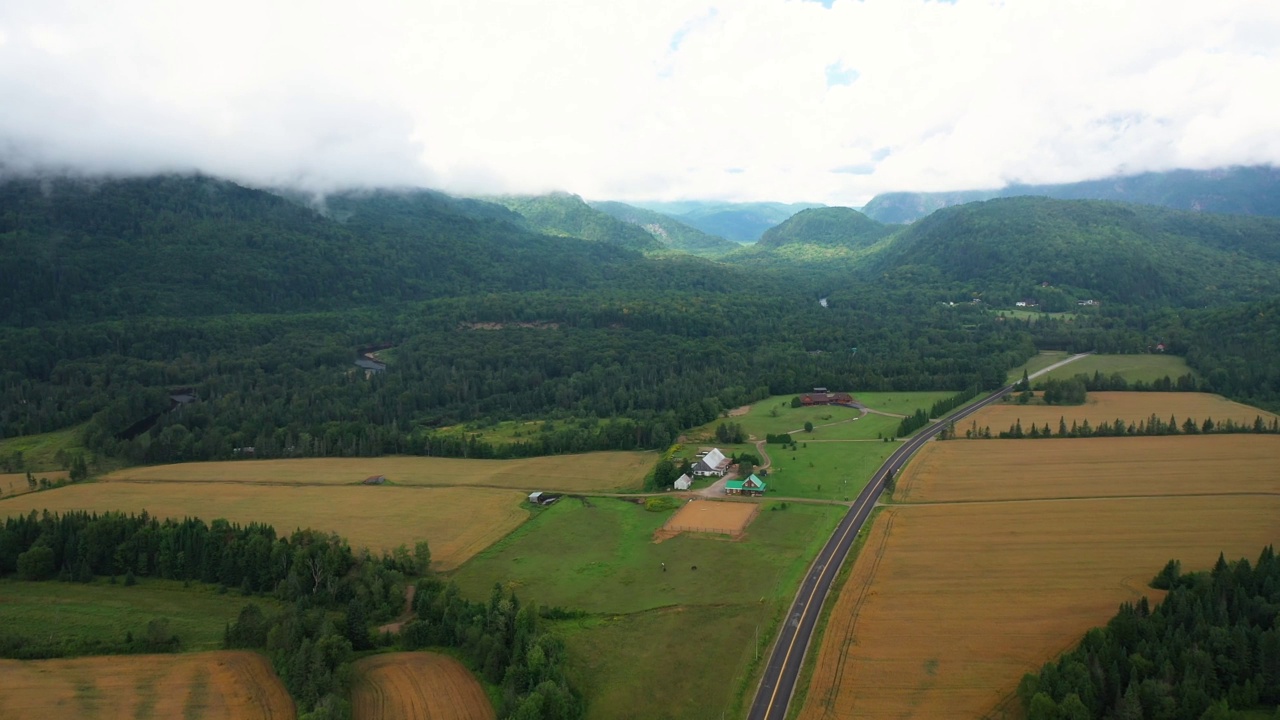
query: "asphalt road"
783, 669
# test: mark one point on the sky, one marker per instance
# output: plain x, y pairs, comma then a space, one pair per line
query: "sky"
829, 101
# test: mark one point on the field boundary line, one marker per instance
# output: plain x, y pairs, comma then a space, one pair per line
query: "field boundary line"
1079, 498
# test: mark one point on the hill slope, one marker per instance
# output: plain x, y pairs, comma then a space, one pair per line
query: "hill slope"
1238, 191
668, 230
740, 222
827, 227
182, 246
568, 216
1013, 247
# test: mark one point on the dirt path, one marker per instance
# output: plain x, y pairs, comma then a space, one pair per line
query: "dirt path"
406, 616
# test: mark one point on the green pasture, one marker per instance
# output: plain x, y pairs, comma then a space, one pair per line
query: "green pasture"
600, 557
1147, 368
1040, 361
825, 470
774, 415
1034, 315
683, 662
903, 403
39, 451
102, 611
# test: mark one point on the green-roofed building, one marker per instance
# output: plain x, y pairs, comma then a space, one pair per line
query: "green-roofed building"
751, 486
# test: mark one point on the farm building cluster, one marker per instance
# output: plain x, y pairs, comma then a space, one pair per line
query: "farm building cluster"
821, 396
714, 463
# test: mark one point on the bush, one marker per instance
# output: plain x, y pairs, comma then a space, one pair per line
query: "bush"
661, 504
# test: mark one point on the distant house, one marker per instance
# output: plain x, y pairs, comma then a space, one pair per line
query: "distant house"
753, 486
1086, 303
820, 396
713, 463
684, 482
375, 480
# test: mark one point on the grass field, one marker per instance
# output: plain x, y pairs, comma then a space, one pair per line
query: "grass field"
1040, 361
101, 611
1092, 467
825, 470
1034, 315
39, 451
16, 483
950, 603
1146, 368
688, 634
417, 685
1111, 406
199, 686
458, 522
590, 472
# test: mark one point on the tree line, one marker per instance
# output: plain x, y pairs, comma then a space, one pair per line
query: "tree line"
334, 595
1210, 649
1120, 428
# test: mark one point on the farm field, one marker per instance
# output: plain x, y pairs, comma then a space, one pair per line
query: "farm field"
600, 558
1034, 315
377, 517
1092, 467
825, 470
199, 686
100, 611
774, 415
1133, 368
1111, 406
951, 602
417, 685
589, 472
1038, 362
712, 516
39, 452
16, 483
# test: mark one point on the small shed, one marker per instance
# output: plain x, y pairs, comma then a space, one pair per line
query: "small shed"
534, 497
684, 482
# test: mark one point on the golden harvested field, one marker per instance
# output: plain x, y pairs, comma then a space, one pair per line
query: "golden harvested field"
711, 516
16, 483
417, 685
458, 522
1108, 406
949, 604
589, 472
231, 685
1092, 467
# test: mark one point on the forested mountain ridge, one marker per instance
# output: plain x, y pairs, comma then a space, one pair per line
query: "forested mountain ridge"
828, 226
180, 246
668, 230
1253, 190
569, 216
1057, 251
740, 222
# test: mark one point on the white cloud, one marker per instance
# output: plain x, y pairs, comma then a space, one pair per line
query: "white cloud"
641, 99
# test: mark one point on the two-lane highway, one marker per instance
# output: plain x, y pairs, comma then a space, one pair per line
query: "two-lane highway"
780, 674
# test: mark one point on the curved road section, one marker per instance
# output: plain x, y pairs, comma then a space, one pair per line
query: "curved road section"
780, 675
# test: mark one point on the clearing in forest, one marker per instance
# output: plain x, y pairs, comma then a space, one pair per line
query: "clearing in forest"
711, 516
1134, 368
949, 603
1131, 407
417, 685
589, 472
458, 522
227, 685
16, 483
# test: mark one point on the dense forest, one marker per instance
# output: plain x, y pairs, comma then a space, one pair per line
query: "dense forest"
1209, 649
176, 318
320, 578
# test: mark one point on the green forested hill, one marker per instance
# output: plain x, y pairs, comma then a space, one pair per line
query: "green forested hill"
829, 227
741, 222
1056, 251
567, 215
192, 245
1238, 191
668, 230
